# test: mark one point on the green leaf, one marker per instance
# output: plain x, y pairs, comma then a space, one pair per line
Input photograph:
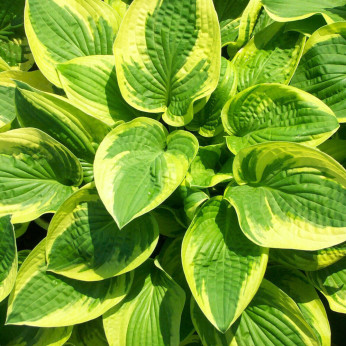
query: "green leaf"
8, 257
37, 174
3, 65
7, 93
229, 13
170, 260
296, 285
57, 117
30, 336
138, 165
208, 120
150, 314
246, 26
283, 11
272, 318
223, 268
169, 221
336, 149
271, 56
167, 55
84, 243
307, 26
90, 333
60, 30
309, 260
20, 228
331, 282
275, 112
291, 196
91, 84
322, 69
14, 48
45, 299
207, 168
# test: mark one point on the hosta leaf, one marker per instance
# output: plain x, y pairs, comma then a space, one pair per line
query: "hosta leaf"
322, 69
170, 260
16, 53
91, 84
20, 228
307, 26
246, 25
138, 165
271, 56
37, 174
45, 299
336, 149
223, 268
84, 243
60, 30
208, 120
169, 221
272, 318
296, 285
58, 118
275, 112
3, 65
150, 314
89, 334
294, 198
14, 47
283, 11
206, 170
7, 92
30, 336
120, 6
8, 257
170, 58
229, 12
309, 260
331, 282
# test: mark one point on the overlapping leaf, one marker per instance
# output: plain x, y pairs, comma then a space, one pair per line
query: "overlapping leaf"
291, 196
296, 285
45, 299
167, 55
91, 84
322, 69
84, 243
271, 56
272, 318
37, 174
60, 30
8, 257
150, 314
331, 282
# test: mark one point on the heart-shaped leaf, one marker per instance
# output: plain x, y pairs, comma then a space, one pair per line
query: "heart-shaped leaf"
167, 55
276, 112
138, 165
291, 196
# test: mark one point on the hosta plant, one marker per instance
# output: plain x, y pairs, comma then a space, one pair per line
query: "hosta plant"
184, 160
